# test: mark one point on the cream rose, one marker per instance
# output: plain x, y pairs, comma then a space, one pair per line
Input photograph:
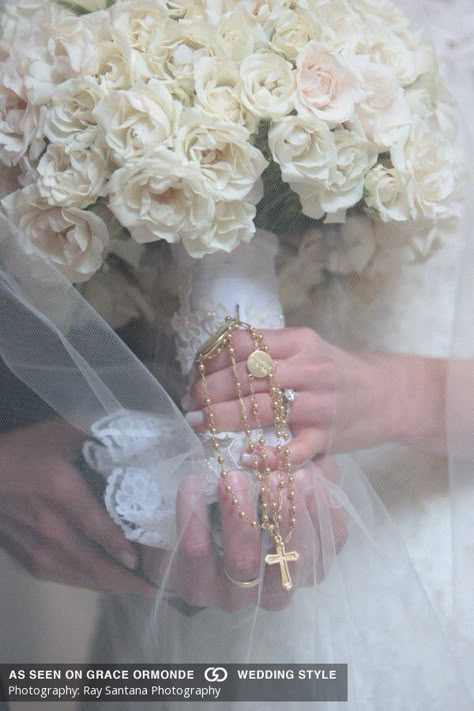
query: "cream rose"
293, 30
232, 224
384, 110
387, 193
138, 120
326, 86
268, 85
344, 189
71, 120
229, 164
75, 178
305, 150
73, 240
239, 34
218, 91
161, 197
19, 128
429, 161
138, 22
70, 52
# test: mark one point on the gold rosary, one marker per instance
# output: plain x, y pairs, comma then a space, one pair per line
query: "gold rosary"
259, 365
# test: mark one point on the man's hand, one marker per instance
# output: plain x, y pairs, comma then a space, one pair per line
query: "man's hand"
51, 522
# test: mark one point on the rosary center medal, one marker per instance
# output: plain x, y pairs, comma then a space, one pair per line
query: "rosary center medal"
260, 364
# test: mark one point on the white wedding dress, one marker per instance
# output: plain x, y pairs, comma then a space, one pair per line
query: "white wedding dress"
410, 312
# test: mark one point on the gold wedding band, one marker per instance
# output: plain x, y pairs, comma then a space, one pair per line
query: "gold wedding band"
242, 583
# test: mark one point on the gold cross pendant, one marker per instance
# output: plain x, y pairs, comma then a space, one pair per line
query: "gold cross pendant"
282, 557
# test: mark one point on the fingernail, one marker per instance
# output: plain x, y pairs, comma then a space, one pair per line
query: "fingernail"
186, 401
195, 419
247, 459
128, 560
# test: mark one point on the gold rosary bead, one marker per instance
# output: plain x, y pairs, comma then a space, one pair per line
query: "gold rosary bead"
251, 447
207, 401
290, 496
254, 524
278, 448
267, 471
216, 445
292, 509
291, 479
235, 501
259, 477
293, 521
262, 489
281, 485
220, 459
242, 514
238, 384
228, 489
231, 350
261, 440
224, 475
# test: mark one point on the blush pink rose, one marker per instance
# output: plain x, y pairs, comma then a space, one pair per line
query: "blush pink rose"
326, 87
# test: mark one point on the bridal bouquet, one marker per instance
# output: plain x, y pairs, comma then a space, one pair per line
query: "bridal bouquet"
196, 121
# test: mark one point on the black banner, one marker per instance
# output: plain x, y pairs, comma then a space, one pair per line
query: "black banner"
173, 682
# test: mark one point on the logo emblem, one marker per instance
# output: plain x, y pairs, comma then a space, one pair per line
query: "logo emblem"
216, 674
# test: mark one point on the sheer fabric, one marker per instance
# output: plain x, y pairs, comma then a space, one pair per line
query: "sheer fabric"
365, 605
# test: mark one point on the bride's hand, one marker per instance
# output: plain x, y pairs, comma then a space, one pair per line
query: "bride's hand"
344, 400
197, 573
341, 397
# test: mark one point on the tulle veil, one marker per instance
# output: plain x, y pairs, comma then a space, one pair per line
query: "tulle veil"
368, 608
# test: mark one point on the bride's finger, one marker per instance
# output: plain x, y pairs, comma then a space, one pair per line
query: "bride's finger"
242, 538
309, 409
310, 442
298, 374
197, 578
282, 343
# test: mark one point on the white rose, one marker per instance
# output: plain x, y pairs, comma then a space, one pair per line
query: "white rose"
161, 197
340, 27
384, 109
355, 157
326, 86
429, 161
75, 178
388, 193
19, 128
173, 53
268, 85
240, 35
138, 22
21, 21
137, 120
228, 162
408, 55
115, 64
71, 120
73, 240
304, 150
293, 30
218, 91
71, 51
232, 224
